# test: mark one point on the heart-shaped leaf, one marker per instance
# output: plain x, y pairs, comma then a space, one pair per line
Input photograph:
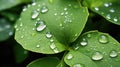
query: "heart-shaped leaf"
44, 62
46, 25
109, 9
77, 59
100, 47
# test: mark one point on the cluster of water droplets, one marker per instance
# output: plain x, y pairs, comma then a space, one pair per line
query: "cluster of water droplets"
111, 10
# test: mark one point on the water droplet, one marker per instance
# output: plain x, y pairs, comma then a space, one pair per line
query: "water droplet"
108, 16
56, 50
51, 40
96, 8
48, 35
106, 5
113, 53
52, 46
22, 36
97, 56
115, 19
37, 46
76, 46
65, 9
112, 10
70, 56
44, 9
35, 14
60, 25
103, 39
62, 14
55, 14
84, 42
21, 24
10, 33
40, 25
78, 65
34, 3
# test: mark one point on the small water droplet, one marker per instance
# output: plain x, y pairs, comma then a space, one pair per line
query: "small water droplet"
113, 54
78, 65
70, 56
84, 42
48, 35
10, 33
97, 56
62, 14
52, 46
103, 39
88, 35
37, 46
65, 8
106, 5
76, 46
51, 40
112, 10
34, 3
96, 8
21, 24
40, 25
22, 36
56, 50
108, 16
55, 14
115, 19
44, 9
35, 14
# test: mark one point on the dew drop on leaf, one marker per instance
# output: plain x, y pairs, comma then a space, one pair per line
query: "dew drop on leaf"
84, 42
52, 46
40, 25
103, 39
69, 56
97, 56
108, 16
56, 50
35, 14
37, 46
113, 53
44, 9
115, 19
48, 35
96, 8
78, 65
112, 10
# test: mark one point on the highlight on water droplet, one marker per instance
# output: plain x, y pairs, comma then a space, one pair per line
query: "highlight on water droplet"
115, 19
35, 14
84, 42
103, 39
113, 54
69, 56
96, 8
108, 16
44, 9
76, 46
97, 56
40, 25
37, 46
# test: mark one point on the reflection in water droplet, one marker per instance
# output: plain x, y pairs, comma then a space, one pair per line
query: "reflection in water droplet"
40, 25
113, 53
84, 42
35, 14
69, 56
78, 65
97, 56
37, 46
48, 35
103, 39
44, 9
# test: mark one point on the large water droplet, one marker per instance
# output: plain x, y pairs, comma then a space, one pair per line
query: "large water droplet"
40, 25
97, 56
69, 56
78, 65
35, 14
103, 39
113, 53
44, 9
84, 42
48, 35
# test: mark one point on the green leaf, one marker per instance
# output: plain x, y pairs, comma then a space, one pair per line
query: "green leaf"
109, 9
6, 29
5, 4
44, 62
77, 59
20, 53
58, 17
100, 47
